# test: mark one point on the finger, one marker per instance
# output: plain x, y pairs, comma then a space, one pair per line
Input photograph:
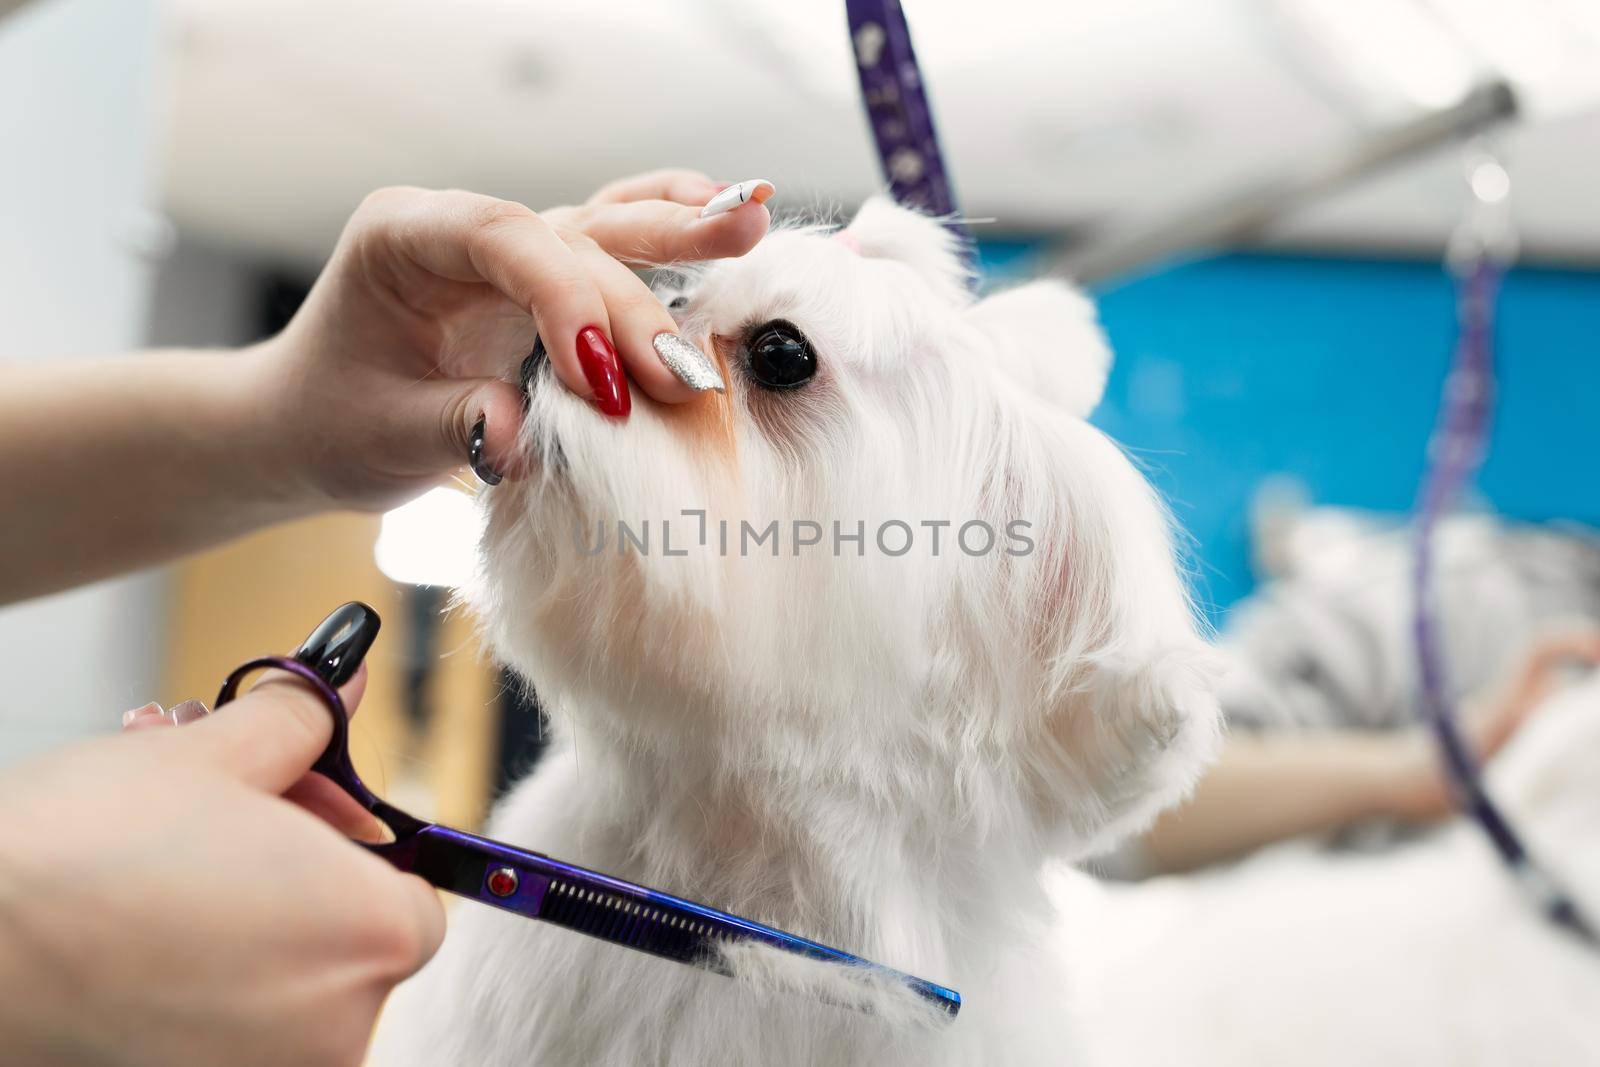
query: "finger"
650, 232
467, 237
1561, 649
1533, 681
681, 186
447, 413
187, 712
267, 738
1542, 665
419, 901
145, 715
151, 715
147, 722
328, 802
646, 334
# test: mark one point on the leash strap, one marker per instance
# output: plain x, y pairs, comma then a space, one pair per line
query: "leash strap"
897, 107
1460, 440
908, 150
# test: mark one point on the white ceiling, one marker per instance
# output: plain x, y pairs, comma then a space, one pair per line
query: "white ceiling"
1054, 114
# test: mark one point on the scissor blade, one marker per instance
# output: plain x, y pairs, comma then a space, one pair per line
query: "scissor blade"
621, 912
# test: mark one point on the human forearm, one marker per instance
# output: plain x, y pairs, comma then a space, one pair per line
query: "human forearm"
400, 367
108, 465
1279, 785
1267, 789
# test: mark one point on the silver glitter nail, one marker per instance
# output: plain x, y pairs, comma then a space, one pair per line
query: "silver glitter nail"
687, 362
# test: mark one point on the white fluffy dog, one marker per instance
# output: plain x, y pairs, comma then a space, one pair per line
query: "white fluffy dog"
892, 735
874, 729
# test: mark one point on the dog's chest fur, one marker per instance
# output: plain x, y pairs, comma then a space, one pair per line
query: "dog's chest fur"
506, 991
889, 754
878, 750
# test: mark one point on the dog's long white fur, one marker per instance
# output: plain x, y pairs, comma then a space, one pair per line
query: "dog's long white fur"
893, 755
878, 752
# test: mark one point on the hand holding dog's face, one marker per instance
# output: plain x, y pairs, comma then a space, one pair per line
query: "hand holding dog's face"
892, 554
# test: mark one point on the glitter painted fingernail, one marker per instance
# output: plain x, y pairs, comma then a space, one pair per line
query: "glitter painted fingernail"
691, 365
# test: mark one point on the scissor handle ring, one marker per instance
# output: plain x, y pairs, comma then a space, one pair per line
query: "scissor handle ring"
334, 763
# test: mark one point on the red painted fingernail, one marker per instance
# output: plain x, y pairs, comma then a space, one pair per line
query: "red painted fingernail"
604, 374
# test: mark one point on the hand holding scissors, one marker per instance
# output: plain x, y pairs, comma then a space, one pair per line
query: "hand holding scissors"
164, 904
529, 884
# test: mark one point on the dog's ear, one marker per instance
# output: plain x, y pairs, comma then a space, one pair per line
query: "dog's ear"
883, 229
1121, 707
1047, 337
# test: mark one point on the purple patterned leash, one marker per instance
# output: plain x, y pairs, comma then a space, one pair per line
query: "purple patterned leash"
908, 149
897, 107
1456, 452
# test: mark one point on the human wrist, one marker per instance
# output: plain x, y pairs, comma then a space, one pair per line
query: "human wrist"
34, 1027
248, 407
1413, 786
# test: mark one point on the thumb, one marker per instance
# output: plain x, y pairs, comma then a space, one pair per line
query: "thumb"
267, 738
271, 735
441, 418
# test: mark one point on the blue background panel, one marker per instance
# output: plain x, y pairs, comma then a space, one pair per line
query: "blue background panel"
1235, 369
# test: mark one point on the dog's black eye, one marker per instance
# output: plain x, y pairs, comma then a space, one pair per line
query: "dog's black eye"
678, 302
780, 356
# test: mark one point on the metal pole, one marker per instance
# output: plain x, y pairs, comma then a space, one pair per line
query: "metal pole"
1244, 215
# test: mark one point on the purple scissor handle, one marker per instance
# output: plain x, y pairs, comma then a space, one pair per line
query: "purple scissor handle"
530, 884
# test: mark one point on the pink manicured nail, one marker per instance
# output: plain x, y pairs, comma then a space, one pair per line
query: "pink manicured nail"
188, 711
151, 710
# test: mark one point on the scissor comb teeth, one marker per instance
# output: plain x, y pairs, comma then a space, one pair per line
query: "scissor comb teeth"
621, 920
534, 885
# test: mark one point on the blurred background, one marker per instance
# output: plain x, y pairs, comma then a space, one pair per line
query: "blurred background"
175, 173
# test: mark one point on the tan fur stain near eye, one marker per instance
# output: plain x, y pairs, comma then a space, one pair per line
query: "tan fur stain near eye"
708, 420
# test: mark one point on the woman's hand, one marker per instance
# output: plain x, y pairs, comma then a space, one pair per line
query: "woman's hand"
1269, 787
1423, 790
409, 341
413, 334
163, 904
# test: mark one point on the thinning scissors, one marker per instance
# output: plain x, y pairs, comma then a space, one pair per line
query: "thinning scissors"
528, 883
